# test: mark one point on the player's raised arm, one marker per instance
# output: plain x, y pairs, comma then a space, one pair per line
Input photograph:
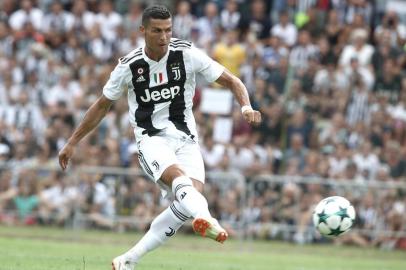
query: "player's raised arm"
228, 80
92, 118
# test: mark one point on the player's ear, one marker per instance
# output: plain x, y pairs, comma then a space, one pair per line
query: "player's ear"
142, 29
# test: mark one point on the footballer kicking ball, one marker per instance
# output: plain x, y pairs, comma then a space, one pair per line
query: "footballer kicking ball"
333, 216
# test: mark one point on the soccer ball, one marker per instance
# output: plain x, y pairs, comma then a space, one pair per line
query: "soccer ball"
333, 216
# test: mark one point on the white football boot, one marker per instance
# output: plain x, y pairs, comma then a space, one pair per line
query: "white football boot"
120, 263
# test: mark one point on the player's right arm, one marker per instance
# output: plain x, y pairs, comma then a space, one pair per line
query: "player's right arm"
119, 79
92, 118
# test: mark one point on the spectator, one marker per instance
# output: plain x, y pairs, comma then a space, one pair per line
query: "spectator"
6, 41
297, 151
358, 107
388, 82
362, 7
26, 14
108, 20
23, 114
273, 53
208, 24
230, 16
57, 20
366, 160
132, 20
300, 124
23, 199
183, 21
257, 23
240, 157
212, 152
285, 30
67, 91
57, 202
358, 49
96, 201
230, 53
339, 161
394, 159
396, 30
303, 51
333, 27
84, 19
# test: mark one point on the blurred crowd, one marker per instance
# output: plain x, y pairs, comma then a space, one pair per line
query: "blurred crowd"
327, 75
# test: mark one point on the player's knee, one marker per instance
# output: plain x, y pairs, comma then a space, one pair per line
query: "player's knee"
171, 173
198, 185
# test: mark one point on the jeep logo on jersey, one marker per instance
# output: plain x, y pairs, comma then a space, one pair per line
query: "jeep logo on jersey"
163, 94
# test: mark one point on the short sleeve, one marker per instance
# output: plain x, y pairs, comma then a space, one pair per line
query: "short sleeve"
117, 82
203, 64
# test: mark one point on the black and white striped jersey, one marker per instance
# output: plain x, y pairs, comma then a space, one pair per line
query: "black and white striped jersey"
160, 94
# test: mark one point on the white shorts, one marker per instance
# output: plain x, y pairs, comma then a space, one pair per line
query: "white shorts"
157, 153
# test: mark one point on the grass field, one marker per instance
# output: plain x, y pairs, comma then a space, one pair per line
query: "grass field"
48, 249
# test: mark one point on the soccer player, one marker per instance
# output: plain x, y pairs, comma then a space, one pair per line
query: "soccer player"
160, 78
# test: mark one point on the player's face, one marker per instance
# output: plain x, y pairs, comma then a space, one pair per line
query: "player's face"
158, 34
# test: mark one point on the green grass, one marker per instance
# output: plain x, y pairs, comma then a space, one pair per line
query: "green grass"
47, 249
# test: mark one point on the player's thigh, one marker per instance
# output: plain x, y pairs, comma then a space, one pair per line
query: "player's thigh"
190, 160
155, 155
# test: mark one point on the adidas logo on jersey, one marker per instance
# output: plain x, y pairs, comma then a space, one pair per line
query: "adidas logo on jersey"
140, 79
163, 94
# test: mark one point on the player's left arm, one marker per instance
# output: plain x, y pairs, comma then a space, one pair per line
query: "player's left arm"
230, 81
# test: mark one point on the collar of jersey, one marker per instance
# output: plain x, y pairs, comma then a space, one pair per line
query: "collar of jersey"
150, 61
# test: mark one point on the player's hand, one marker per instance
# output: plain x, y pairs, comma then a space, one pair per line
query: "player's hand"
252, 116
65, 155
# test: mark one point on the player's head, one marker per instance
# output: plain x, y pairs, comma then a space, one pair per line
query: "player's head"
157, 28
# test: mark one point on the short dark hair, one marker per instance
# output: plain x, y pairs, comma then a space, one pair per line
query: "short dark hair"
155, 12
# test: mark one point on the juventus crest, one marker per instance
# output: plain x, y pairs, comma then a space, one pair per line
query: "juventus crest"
176, 71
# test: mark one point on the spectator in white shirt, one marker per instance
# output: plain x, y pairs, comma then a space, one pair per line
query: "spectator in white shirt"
57, 202
67, 90
57, 20
338, 161
109, 20
84, 20
397, 29
230, 16
367, 160
98, 46
241, 158
285, 30
358, 49
208, 24
212, 153
183, 21
26, 14
24, 114
96, 201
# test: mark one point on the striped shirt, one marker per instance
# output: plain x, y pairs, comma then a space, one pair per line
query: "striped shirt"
160, 93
